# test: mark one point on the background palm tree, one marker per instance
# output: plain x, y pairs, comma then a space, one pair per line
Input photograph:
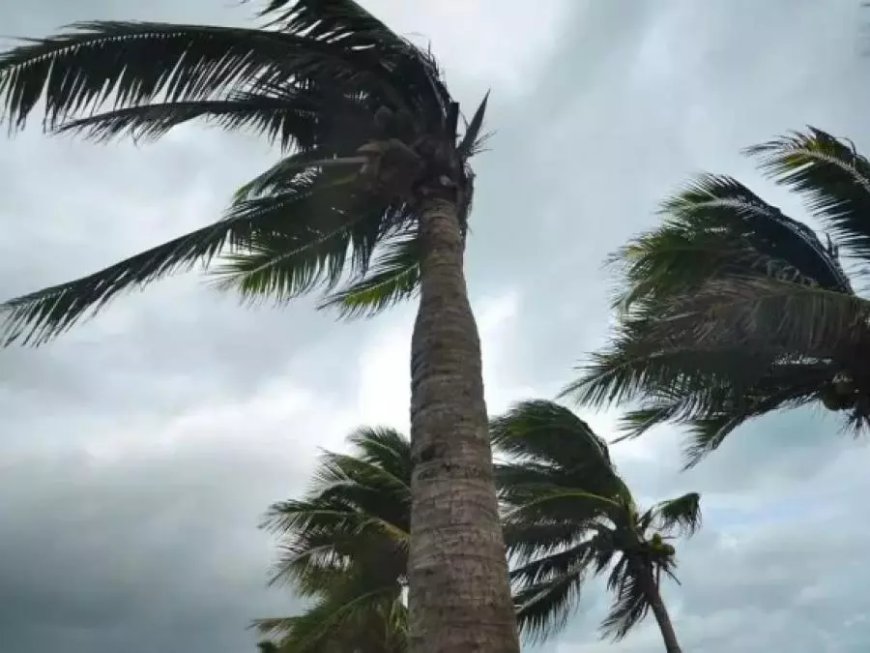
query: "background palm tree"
345, 548
730, 309
369, 203
569, 514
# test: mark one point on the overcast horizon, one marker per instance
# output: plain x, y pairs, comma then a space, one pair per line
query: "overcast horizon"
139, 451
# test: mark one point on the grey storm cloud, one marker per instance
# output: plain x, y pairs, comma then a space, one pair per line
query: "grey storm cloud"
138, 452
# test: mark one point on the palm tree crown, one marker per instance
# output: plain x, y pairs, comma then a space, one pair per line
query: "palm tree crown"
569, 514
730, 309
344, 546
366, 126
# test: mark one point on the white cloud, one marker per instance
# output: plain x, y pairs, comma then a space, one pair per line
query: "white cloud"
481, 41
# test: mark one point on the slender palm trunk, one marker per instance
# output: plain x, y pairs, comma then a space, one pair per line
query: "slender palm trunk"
654, 596
459, 596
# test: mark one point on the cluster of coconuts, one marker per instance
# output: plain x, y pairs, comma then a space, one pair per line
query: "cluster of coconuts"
841, 393
658, 548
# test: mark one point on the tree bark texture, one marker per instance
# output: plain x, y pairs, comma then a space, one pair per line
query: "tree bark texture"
459, 595
654, 597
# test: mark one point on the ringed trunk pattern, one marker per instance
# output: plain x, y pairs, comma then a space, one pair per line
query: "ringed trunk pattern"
459, 596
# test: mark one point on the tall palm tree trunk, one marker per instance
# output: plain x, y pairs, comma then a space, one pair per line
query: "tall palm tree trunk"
459, 598
654, 597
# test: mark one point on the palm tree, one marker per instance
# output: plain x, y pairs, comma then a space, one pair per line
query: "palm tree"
730, 309
569, 514
369, 203
345, 548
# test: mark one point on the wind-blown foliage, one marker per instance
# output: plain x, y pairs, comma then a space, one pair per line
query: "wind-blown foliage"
344, 546
361, 115
730, 309
569, 515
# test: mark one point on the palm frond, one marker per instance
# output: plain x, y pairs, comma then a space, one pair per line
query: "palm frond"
767, 313
550, 433
273, 117
630, 606
708, 430
639, 361
274, 625
733, 331
682, 514
285, 263
393, 277
543, 608
135, 63
526, 539
335, 619
572, 559
347, 23
275, 179
293, 218
386, 447
471, 140
831, 174
783, 382
279, 269
716, 228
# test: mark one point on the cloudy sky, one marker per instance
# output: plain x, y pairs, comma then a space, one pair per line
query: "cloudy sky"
138, 452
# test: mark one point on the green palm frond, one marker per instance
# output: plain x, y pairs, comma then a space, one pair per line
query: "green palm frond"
347, 23
708, 430
831, 174
305, 217
393, 276
274, 625
682, 514
131, 64
630, 367
543, 608
39, 316
716, 228
566, 560
551, 434
278, 268
472, 139
526, 539
569, 503
631, 604
713, 406
346, 618
323, 230
288, 122
769, 314
276, 179
385, 447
